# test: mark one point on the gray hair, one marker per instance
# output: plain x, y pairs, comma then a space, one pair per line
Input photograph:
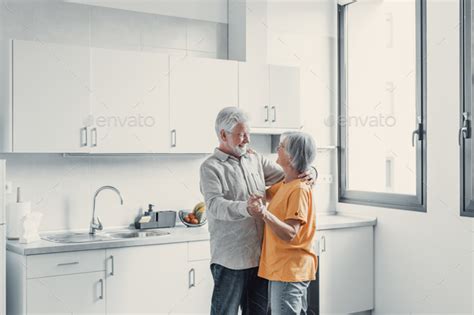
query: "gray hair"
228, 117
301, 149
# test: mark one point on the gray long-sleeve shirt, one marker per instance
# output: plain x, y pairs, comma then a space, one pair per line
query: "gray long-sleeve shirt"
227, 183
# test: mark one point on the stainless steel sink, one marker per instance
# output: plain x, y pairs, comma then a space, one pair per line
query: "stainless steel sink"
137, 234
70, 237
85, 237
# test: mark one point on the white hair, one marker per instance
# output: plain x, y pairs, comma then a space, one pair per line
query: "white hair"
301, 149
228, 118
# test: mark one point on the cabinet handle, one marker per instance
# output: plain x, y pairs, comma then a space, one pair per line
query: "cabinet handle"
274, 114
84, 137
192, 280
101, 281
267, 117
68, 263
323, 244
173, 138
94, 137
112, 271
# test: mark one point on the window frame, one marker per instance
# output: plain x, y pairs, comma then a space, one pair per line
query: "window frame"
465, 149
386, 200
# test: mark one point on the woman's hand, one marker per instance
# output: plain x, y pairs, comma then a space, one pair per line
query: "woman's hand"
255, 206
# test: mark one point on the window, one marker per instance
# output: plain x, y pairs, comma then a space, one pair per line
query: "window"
465, 136
381, 122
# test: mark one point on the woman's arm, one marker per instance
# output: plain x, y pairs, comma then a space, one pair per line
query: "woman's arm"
285, 230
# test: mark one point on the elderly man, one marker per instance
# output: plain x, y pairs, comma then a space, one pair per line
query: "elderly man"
229, 178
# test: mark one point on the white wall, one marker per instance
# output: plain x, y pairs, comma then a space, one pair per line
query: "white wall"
424, 261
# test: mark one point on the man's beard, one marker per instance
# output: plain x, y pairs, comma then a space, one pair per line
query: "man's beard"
239, 151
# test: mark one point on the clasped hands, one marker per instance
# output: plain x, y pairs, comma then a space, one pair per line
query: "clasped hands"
256, 206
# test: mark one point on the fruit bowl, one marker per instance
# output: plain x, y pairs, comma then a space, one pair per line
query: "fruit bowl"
182, 214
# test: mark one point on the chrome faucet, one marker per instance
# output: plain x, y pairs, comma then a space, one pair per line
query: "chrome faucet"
98, 225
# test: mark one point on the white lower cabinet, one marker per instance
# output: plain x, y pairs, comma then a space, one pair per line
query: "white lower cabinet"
346, 270
82, 293
154, 279
198, 295
146, 279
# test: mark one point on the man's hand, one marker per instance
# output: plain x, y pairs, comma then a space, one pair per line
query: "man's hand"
309, 176
255, 205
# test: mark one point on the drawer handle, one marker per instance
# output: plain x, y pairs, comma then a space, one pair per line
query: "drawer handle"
68, 263
323, 244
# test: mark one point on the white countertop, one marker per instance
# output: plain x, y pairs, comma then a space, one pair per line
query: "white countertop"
341, 221
178, 234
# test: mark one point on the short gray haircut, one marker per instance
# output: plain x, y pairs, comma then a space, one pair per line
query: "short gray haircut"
301, 148
228, 118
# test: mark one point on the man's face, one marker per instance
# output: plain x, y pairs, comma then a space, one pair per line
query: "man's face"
237, 141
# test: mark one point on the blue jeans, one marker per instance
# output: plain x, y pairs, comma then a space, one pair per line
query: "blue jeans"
234, 288
288, 298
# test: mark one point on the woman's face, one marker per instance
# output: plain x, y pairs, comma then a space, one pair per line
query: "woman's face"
283, 159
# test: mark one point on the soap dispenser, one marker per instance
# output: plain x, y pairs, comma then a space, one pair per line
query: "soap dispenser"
150, 210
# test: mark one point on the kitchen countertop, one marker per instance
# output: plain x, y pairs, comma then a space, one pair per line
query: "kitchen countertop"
341, 221
178, 234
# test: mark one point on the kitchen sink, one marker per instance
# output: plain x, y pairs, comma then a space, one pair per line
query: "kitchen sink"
70, 237
137, 234
85, 237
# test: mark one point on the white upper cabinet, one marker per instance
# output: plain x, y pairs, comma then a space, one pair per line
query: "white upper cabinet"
50, 97
73, 99
270, 95
199, 89
129, 102
285, 97
254, 93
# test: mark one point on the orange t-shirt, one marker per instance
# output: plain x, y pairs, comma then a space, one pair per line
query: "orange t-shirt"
293, 261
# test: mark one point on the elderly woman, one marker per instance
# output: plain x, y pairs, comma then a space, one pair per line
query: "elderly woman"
288, 260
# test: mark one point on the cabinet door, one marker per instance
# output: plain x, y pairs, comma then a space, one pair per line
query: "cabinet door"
146, 279
71, 294
200, 285
285, 97
200, 88
50, 97
346, 270
2, 266
130, 101
254, 93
